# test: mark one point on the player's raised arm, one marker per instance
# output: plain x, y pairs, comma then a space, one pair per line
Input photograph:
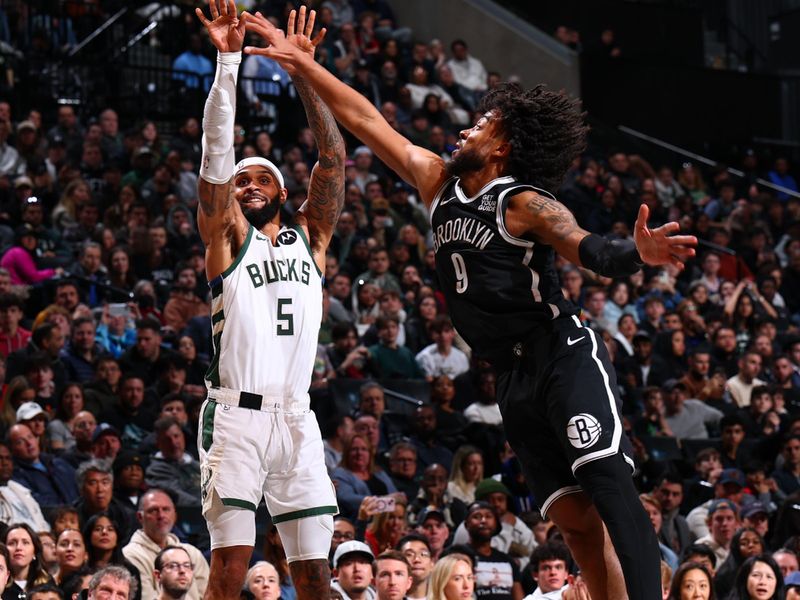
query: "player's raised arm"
218, 213
552, 223
326, 188
417, 166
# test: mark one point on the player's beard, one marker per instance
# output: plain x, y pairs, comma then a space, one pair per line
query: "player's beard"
465, 161
258, 217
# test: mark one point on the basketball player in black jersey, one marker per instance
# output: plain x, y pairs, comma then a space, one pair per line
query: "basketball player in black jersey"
496, 229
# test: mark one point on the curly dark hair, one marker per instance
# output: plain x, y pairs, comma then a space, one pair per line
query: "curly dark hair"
546, 131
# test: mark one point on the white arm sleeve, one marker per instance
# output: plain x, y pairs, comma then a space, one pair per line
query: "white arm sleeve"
218, 120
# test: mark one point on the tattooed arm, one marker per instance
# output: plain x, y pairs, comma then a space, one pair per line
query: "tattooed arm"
326, 187
550, 222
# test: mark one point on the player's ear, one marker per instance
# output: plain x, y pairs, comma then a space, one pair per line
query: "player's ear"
503, 150
283, 195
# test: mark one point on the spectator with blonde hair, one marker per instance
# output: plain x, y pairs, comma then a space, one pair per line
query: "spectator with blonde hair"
466, 472
263, 582
452, 578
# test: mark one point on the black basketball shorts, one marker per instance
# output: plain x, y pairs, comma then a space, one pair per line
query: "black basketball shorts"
558, 396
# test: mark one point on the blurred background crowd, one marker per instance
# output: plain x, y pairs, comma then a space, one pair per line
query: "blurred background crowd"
105, 327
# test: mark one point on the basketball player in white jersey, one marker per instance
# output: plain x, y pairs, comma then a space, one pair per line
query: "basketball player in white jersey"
258, 436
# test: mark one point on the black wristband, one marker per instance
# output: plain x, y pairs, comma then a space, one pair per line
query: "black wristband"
610, 258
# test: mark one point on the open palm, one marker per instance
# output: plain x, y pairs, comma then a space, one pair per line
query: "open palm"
225, 29
295, 44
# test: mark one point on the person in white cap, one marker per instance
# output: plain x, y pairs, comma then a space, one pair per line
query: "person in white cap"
352, 567
257, 435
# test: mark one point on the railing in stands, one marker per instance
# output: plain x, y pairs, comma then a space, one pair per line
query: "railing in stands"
702, 159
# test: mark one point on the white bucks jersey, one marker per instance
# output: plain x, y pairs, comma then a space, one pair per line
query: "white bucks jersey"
266, 310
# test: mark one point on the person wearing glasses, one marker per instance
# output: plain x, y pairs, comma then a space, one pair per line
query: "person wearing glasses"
174, 573
417, 550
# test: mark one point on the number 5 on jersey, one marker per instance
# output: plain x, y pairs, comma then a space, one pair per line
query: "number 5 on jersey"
285, 319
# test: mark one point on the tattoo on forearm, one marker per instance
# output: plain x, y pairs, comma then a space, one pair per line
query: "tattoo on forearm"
326, 192
311, 578
560, 221
213, 197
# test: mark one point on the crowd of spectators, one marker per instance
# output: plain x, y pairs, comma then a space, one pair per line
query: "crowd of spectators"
105, 338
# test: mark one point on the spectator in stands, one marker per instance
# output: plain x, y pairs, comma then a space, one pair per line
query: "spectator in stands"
653, 508
392, 576
692, 580
71, 554
467, 70
756, 516
723, 522
741, 385
192, 68
352, 571
688, 417
746, 543
494, 570
388, 359
83, 428
787, 561
336, 433
452, 578
433, 495
788, 477
441, 358
781, 176
550, 565
143, 358
17, 505
417, 552
466, 472
130, 415
81, 351
13, 337
114, 582
485, 409
129, 478
696, 379
174, 575
759, 576
95, 486
644, 368
172, 468
429, 449
50, 480
157, 516
358, 477
729, 485
343, 531
26, 564
403, 469
20, 262
674, 532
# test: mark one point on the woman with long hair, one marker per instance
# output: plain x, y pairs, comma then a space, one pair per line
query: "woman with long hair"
71, 553
745, 543
120, 273
195, 367
692, 581
101, 533
759, 578
357, 476
452, 578
59, 429
18, 391
65, 213
671, 346
26, 564
386, 528
425, 311
466, 472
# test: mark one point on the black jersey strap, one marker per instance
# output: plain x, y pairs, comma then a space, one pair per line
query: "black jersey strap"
610, 258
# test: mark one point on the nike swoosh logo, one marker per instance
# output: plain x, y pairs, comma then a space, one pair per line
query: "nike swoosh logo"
570, 341
261, 239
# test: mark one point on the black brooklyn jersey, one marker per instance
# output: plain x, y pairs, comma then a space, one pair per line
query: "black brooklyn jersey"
498, 287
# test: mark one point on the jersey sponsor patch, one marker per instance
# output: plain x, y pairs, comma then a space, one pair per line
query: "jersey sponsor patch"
287, 237
583, 431
488, 203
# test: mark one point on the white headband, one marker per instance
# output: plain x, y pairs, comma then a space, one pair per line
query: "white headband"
263, 162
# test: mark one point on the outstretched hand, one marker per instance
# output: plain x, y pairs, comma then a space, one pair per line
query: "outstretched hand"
225, 29
660, 246
291, 47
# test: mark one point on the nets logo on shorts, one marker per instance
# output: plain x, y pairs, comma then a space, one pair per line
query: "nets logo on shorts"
583, 431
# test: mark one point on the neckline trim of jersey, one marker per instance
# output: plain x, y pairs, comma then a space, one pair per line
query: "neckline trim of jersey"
464, 199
